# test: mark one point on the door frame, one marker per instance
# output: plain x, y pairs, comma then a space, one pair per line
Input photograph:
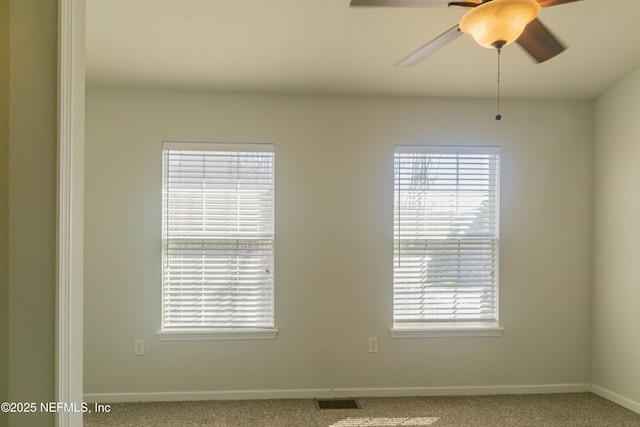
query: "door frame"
70, 210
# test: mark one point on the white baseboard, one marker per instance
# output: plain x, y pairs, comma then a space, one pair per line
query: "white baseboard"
203, 395
616, 398
334, 392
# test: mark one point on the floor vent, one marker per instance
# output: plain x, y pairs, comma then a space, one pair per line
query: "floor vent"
337, 404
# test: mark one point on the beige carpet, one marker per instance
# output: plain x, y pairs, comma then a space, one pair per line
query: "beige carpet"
553, 410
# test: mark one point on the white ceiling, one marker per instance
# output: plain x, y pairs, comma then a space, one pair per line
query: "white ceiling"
324, 46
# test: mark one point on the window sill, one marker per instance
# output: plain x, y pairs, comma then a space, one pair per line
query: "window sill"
446, 331
216, 334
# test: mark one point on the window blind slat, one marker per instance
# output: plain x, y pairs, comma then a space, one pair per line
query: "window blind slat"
218, 221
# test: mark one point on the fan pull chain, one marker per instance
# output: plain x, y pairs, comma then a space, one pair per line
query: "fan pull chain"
499, 116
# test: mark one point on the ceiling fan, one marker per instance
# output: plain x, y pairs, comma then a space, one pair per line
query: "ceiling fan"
492, 23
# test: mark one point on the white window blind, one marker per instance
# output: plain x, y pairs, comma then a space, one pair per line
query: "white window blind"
446, 208
218, 236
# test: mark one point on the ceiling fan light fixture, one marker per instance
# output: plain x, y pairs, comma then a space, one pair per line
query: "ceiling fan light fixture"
498, 23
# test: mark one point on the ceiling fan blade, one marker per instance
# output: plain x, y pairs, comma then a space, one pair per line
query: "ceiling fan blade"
547, 3
398, 3
539, 42
467, 4
430, 47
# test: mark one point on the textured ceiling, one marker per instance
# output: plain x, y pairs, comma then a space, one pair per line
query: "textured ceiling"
324, 46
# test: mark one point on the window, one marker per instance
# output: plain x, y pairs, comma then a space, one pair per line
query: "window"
218, 241
446, 207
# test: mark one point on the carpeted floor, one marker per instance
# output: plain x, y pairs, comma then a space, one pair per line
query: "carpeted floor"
551, 410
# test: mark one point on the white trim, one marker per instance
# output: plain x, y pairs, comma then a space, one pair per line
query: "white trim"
217, 334
446, 332
335, 392
616, 398
447, 149
204, 395
466, 390
218, 146
69, 257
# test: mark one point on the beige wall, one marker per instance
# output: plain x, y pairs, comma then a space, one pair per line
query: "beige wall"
4, 204
32, 201
616, 342
334, 198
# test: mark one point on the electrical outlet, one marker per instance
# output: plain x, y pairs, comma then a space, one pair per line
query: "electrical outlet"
373, 345
138, 348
